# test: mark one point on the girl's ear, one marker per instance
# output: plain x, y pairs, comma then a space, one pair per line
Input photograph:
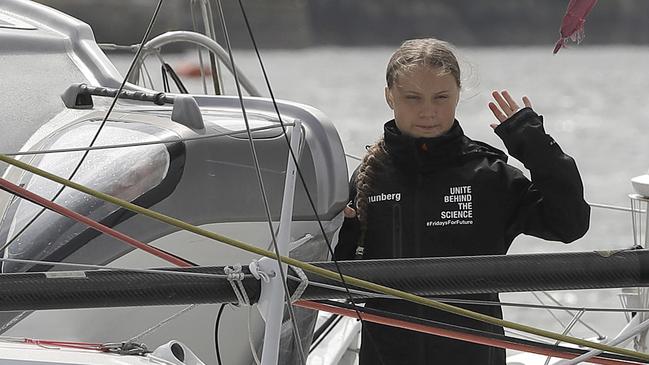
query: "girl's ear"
388, 98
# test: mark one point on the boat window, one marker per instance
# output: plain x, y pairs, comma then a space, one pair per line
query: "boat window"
126, 173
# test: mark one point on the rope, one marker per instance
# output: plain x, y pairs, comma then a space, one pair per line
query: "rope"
235, 277
125, 348
122, 348
322, 272
304, 282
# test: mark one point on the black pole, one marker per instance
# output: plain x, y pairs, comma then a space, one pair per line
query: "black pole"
111, 288
425, 276
496, 274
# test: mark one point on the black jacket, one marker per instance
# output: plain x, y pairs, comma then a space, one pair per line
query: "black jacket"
452, 196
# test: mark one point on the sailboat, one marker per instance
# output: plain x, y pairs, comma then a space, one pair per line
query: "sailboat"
190, 160
213, 162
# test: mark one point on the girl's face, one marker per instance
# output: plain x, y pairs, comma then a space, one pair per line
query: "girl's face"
423, 101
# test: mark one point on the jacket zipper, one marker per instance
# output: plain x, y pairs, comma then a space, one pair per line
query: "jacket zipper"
415, 221
397, 242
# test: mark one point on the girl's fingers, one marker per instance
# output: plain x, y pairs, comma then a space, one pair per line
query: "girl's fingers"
505, 106
512, 104
497, 112
527, 102
501, 101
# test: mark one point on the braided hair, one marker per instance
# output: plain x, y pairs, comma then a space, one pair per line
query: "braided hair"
372, 165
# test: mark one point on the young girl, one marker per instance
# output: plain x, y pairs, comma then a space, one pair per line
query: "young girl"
426, 190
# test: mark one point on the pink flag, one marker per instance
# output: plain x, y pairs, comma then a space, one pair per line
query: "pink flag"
572, 25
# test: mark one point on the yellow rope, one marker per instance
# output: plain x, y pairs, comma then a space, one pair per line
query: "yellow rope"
323, 272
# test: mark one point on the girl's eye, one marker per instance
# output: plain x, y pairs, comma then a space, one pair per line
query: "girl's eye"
412, 97
442, 97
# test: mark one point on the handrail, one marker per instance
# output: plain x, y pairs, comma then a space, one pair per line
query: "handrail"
154, 44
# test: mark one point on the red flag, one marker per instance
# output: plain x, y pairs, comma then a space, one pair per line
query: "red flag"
572, 25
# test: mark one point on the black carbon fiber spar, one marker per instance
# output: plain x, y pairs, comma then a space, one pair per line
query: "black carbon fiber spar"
112, 288
496, 274
426, 276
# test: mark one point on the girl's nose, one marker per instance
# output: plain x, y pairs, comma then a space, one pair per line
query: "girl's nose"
427, 110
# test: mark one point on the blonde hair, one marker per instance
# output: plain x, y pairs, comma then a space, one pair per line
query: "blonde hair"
429, 52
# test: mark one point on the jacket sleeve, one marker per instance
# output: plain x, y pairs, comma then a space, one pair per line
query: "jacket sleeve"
351, 229
552, 205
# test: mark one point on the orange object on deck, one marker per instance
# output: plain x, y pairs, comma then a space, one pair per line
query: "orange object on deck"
192, 70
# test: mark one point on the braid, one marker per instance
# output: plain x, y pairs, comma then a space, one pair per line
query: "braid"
372, 165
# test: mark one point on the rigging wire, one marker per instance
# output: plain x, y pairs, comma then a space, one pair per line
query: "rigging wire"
566, 331
253, 351
103, 122
353, 157
110, 268
463, 333
562, 307
147, 74
555, 301
179, 84
214, 61
198, 49
526, 337
287, 295
216, 335
159, 325
295, 160
165, 80
324, 331
556, 318
139, 144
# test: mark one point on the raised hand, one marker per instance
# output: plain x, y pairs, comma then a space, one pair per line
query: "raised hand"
506, 106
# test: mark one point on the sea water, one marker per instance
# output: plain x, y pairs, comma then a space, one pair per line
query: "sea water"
595, 103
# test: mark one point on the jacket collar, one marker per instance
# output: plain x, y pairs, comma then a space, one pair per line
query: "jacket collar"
424, 153
430, 154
